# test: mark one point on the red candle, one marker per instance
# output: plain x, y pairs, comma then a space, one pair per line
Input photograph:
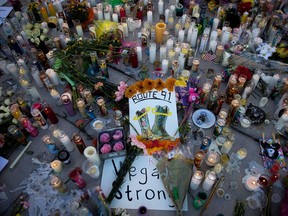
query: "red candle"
264, 180
77, 139
51, 115
275, 167
275, 177
134, 59
122, 12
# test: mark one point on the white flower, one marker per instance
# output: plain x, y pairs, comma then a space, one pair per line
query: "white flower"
7, 110
36, 32
2, 107
28, 26
37, 40
1, 115
42, 37
37, 25
7, 114
7, 102
45, 31
14, 121
32, 40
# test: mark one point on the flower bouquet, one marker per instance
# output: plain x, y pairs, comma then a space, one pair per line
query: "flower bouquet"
37, 34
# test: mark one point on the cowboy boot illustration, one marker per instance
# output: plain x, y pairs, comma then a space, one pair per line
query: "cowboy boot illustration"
161, 114
144, 123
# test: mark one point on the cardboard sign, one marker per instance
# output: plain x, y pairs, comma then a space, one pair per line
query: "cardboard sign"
153, 114
142, 185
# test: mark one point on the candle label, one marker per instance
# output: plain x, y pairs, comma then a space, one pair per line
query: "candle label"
52, 148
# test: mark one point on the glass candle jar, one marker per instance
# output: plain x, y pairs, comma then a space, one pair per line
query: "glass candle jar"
79, 142
25, 122
199, 158
88, 96
17, 134
81, 107
209, 181
196, 180
15, 111
211, 158
75, 176
39, 118
67, 102
65, 140
58, 184
102, 106
50, 144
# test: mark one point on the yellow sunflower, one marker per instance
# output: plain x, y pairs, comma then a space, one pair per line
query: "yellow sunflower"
140, 87
148, 84
160, 85
170, 83
130, 91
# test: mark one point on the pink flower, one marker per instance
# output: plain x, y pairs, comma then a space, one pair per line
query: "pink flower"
25, 205
135, 142
119, 95
122, 87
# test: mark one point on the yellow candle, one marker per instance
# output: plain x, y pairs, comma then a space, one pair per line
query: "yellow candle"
44, 14
159, 30
56, 165
51, 9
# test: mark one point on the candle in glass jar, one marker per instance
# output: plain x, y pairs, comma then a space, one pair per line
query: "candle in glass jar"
77, 139
194, 37
251, 183
64, 139
102, 106
12, 68
217, 168
217, 81
35, 75
39, 118
88, 96
199, 158
209, 181
3, 66
50, 144
53, 77
58, 184
56, 165
28, 126
225, 38
66, 100
212, 158
241, 153
15, 111
54, 130
228, 144
219, 53
152, 53
50, 114
196, 180
81, 107
150, 17
139, 53
195, 64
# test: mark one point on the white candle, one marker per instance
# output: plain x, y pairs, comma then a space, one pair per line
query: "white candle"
160, 7
127, 9
283, 120
213, 45
56, 165
215, 24
93, 171
35, 75
209, 181
92, 155
152, 53
255, 33
189, 34
181, 61
13, 69
79, 31
53, 77
115, 17
225, 38
22, 63
163, 53
99, 14
125, 29
92, 32
150, 17
164, 66
62, 38
170, 23
181, 36
194, 37
226, 147
195, 10
251, 183
257, 41
60, 22
107, 15
34, 92
55, 94
212, 158
169, 45
20, 155
214, 35
3, 67
64, 139
166, 15
203, 43
139, 53
196, 180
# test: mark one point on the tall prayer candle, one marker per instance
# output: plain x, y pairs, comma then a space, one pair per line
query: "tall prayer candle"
196, 180
152, 53
209, 181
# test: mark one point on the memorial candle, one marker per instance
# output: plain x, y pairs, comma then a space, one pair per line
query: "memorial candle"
53, 77
164, 66
160, 28
115, 17
139, 53
194, 37
64, 139
56, 165
283, 120
152, 53
196, 180
150, 17
199, 158
39, 118
209, 181
160, 7
251, 183
92, 155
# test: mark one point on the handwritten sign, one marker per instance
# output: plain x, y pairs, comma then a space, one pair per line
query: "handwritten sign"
142, 185
153, 114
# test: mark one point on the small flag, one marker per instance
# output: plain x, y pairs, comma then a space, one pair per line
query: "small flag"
209, 56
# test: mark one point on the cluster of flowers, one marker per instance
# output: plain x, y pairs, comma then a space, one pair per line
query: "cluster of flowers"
36, 32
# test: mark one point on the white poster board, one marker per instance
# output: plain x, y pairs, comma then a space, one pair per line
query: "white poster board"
142, 185
144, 109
